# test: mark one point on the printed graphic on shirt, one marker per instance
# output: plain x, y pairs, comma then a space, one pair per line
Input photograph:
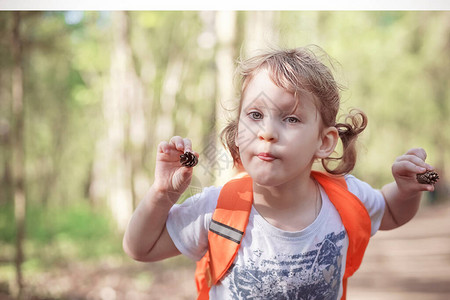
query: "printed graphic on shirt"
311, 275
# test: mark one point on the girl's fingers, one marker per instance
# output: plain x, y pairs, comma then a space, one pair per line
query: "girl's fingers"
163, 147
167, 148
181, 144
187, 145
415, 160
406, 166
177, 142
419, 152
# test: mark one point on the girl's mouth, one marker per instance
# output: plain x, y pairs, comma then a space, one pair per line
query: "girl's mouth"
266, 156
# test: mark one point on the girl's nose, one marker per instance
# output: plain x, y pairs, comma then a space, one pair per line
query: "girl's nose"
268, 132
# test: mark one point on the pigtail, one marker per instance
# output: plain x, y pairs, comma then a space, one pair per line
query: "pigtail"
355, 123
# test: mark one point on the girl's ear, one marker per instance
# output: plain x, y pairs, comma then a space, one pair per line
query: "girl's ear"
328, 142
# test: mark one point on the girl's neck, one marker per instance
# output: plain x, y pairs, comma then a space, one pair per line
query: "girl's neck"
292, 206
285, 195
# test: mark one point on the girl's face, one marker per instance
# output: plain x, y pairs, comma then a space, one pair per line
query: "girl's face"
278, 137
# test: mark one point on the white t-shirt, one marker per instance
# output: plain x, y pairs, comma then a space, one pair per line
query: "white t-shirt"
273, 263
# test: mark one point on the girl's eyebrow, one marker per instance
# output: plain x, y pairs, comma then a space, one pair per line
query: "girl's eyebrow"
281, 109
257, 104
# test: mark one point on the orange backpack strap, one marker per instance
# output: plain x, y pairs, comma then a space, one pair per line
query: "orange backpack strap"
354, 216
226, 231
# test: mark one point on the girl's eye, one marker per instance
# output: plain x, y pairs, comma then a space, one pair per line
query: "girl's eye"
292, 120
255, 115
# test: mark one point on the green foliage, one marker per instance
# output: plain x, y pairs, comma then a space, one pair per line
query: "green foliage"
76, 221
7, 229
56, 236
77, 227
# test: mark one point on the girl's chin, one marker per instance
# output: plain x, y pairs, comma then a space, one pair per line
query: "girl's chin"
269, 180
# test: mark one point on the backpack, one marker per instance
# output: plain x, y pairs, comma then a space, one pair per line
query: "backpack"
230, 220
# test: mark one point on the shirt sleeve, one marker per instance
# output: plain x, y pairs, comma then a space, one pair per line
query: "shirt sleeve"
188, 223
372, 199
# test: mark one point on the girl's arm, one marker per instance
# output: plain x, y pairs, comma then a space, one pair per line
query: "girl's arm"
403, 195
146, 237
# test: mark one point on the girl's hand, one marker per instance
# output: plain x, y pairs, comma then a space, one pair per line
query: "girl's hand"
405, 169
171, 178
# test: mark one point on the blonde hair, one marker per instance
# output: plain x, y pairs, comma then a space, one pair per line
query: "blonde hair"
297, 70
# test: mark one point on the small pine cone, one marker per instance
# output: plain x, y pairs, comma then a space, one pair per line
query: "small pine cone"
429, 177
188, 159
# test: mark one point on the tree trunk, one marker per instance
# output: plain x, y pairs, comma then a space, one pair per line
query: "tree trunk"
18, 150
6, 177
259, 31
119, 154
221, 166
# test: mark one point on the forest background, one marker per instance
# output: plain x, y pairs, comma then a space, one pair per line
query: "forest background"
85, 97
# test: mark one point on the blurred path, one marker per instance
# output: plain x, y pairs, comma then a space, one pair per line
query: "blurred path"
411, 262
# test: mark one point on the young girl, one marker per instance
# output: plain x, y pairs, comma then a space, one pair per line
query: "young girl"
295, 244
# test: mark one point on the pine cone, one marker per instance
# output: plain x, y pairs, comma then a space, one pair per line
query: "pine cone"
429, 177
188, 159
